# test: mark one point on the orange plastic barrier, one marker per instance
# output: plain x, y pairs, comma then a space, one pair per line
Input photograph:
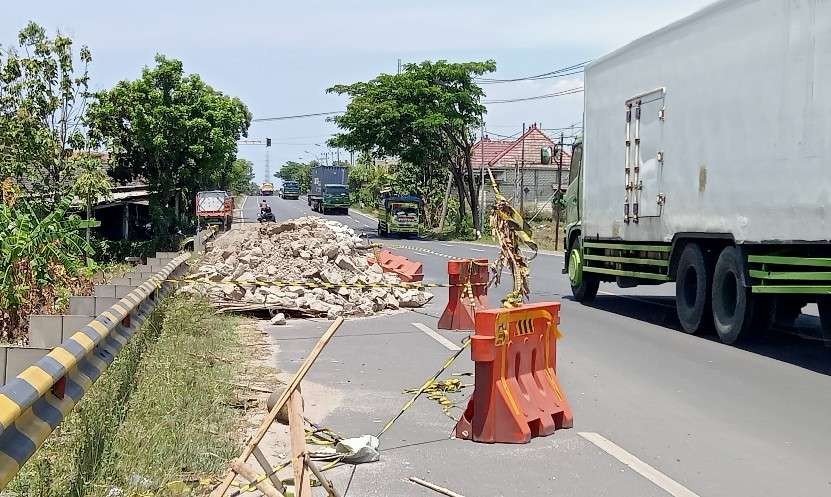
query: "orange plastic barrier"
406, 269
468, 293
516, 393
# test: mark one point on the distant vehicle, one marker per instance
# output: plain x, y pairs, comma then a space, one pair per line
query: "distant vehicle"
291, 190
267, 189
329, 190
705, 162
215, 207
399, 215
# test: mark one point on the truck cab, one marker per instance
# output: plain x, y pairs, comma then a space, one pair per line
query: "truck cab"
291, 190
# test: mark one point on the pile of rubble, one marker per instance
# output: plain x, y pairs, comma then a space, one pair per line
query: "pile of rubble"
251, 267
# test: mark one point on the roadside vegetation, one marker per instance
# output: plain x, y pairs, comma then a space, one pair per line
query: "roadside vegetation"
159, 421
63, 147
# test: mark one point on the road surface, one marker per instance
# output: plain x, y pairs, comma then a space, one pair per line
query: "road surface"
657, 412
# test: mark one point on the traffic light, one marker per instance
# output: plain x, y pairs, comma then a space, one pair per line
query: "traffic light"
268, 142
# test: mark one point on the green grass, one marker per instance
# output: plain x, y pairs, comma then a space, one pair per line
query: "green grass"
161, 413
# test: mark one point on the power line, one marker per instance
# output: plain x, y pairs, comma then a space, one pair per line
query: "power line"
296, 116
571, 91
557, 73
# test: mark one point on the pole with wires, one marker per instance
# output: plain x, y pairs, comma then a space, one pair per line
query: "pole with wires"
482, 178
558, 199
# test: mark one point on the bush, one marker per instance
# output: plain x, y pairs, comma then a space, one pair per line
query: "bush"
42, 256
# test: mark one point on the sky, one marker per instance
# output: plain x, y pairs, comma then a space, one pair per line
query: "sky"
279, 57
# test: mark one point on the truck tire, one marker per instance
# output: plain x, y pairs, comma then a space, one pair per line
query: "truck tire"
824, 304
737, 315
584, 285
692, 290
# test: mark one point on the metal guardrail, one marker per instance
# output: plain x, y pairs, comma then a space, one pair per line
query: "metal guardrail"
34, 403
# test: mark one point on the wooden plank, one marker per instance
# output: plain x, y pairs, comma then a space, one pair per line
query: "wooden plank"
789, 261
297, 434
283, 400
326, 484
791, 275
633, 274
269, 470
627, 246
792, 289
247, 472
627, 260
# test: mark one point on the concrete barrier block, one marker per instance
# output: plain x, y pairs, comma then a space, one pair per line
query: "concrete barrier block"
3, 364
104, 290
20, 358
167, 255
45, 331
104, 303
121, 291
84, 306
73, 324
120, 281
141, 268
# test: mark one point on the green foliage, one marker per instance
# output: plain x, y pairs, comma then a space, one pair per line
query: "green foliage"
174, 130
426, 116
42, 99
366, 180
162, 412
298, 171
240, 178
40, 254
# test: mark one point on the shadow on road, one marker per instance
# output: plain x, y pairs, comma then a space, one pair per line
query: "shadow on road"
799, 345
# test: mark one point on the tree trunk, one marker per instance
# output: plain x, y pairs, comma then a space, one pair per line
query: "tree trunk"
460, 187
89, 215
473, 193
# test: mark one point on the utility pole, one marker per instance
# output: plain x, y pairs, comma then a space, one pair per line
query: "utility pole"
559, 195
522, 177
399, 67
267, 166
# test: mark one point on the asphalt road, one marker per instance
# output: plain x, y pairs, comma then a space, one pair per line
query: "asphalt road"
694, 416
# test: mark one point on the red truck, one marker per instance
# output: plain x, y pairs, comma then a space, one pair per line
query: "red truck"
214, 207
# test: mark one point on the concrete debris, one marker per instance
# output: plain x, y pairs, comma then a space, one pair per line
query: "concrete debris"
235, 273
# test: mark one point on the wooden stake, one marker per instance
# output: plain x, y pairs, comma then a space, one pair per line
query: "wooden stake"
434, 487
326, 484
297, 433
250, 474
272, 415
275, 480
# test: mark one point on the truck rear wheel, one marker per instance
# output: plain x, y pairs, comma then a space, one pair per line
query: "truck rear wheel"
692, 295
737, 315
584, 285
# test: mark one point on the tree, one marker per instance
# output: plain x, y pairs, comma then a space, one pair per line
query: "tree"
240, 177
426, 116
173, 130
92, 183
42, 101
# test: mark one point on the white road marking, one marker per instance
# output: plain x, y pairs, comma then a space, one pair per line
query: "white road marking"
666, 483
475, 250
435, 336
355, 211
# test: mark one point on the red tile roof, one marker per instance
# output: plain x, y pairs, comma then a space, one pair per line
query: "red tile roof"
508, 152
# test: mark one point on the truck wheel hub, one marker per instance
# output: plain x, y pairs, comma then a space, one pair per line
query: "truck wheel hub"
575, 267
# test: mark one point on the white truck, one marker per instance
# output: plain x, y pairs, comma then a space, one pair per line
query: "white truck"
706, 160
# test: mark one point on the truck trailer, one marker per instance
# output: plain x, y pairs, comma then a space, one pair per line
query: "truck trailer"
706, 161
329, 190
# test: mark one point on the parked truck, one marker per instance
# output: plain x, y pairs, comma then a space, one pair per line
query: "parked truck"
706, 161
398, 214
267, 189
215, 207
329, 190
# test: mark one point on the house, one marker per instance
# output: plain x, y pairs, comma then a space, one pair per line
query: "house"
528, 164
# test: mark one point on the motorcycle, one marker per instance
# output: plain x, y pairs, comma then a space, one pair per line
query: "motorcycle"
266, 217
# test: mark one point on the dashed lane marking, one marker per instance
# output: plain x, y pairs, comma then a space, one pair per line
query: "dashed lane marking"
435, 336
663, 481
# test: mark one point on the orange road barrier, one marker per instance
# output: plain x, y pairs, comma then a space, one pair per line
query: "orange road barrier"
406, 269
516, 393
468, 293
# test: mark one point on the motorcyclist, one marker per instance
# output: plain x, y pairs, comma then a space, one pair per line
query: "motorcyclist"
264, 207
